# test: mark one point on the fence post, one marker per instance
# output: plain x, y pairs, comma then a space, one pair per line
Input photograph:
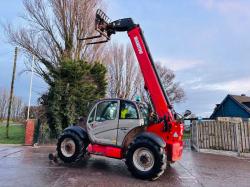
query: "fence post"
238, 138
191, 134
197, 137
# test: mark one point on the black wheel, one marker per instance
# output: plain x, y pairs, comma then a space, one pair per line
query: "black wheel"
70, 147
145, 159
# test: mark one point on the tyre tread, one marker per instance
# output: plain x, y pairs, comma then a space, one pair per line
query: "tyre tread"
81, 147
156, 171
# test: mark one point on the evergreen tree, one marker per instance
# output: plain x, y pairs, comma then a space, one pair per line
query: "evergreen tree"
75, 86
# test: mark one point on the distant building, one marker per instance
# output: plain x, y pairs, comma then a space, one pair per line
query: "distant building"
233, 106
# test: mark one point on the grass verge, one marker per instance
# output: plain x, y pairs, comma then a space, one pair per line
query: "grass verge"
16, 134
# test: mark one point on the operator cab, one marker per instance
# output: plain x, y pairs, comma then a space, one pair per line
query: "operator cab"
110, 120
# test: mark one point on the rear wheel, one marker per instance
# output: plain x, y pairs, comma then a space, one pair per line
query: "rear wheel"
145, 159
71, 147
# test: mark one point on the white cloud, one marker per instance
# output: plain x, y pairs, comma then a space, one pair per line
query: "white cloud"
179, 64
227, 6
236, 13
234, 87
195, 80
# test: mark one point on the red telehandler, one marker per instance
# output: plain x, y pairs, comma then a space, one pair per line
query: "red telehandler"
122, 129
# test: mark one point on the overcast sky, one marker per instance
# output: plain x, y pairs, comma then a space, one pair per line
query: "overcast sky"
205, 42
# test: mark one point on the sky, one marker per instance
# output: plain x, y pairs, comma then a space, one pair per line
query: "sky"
205, 42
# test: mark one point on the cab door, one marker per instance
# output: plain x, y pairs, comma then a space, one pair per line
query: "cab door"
128, 119
103, 122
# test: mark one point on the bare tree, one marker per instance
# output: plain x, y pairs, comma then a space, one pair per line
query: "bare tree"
36, 112
52, 31
125, 78
3, 103
122, 71
16, 109
172, 88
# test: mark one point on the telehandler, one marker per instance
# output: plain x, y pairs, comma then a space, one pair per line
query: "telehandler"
122, 129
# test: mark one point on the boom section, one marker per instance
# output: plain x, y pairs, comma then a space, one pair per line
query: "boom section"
152, 81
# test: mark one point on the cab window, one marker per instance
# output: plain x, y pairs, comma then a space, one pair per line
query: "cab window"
145, 112
106, 110
128, 110
92, 116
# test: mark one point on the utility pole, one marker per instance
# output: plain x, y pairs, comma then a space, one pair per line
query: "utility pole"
11, 93
31, 80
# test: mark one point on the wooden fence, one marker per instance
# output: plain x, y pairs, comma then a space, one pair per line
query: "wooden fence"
223, 134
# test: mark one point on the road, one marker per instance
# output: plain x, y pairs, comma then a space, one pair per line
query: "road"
27, 166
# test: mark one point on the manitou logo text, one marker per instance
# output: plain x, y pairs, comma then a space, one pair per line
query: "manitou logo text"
137, 43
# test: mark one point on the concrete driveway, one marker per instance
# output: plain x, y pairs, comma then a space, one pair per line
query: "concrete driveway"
27, 166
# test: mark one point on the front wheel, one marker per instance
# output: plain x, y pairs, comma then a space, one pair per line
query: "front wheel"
145, 159
70, 147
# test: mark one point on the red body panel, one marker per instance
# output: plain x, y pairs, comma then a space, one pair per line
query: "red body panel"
174, 145
108, 151
173, 138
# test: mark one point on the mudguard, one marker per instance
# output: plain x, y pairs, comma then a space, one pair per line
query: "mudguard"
81, 132
153, 137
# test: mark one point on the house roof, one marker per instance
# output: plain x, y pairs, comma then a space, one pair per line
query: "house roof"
242, 100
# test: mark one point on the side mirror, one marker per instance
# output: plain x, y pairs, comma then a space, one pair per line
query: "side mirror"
187, 113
